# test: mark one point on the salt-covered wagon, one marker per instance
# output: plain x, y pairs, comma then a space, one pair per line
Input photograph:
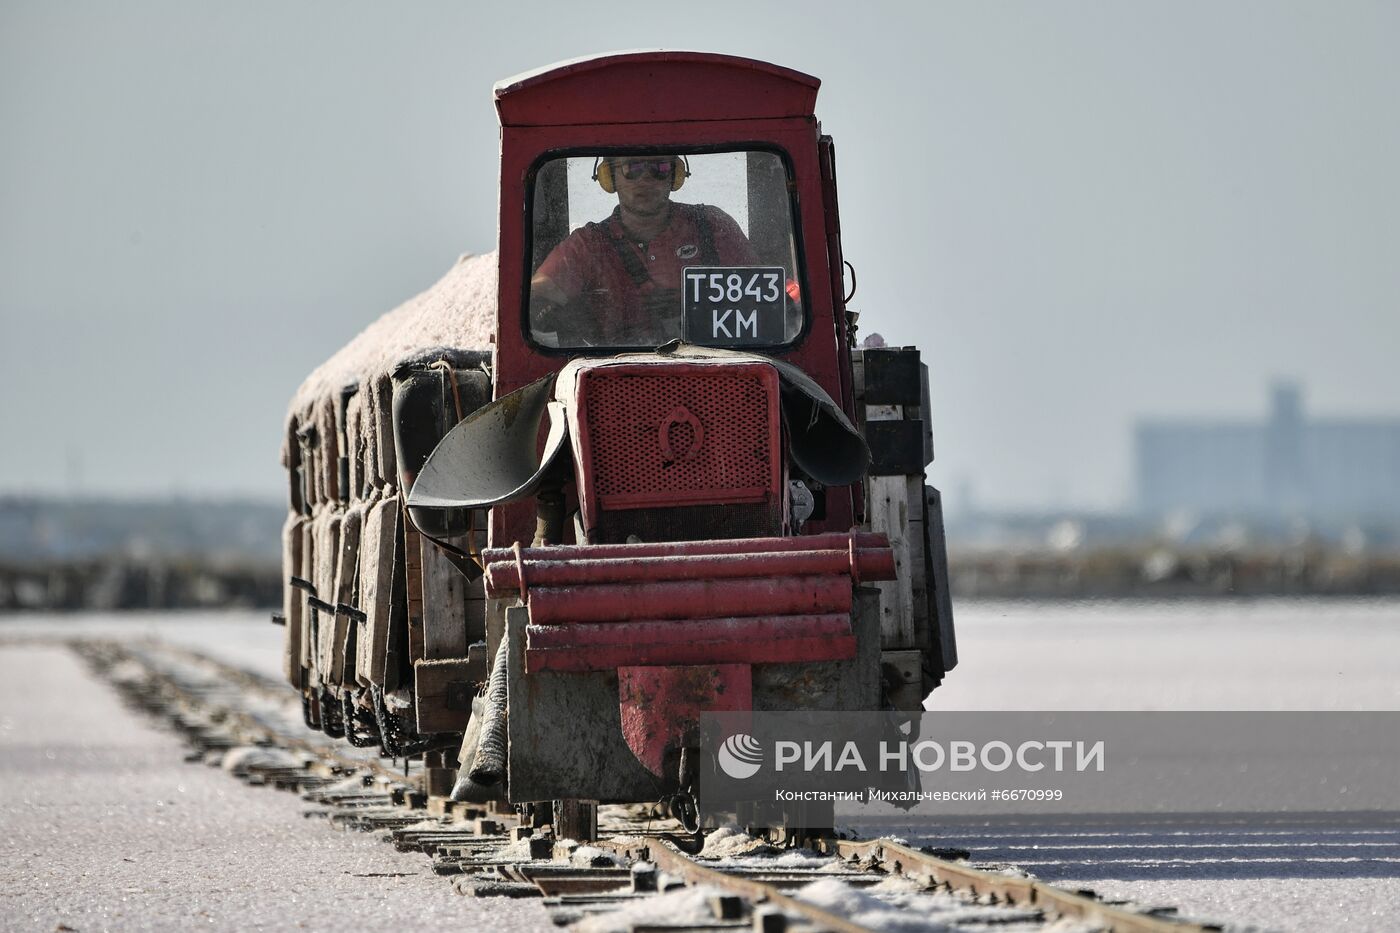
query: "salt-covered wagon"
631, 467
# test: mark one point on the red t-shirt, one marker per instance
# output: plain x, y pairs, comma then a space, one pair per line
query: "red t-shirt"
607, 303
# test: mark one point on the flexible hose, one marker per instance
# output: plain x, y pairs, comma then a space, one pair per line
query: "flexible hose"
489, 766
466, 789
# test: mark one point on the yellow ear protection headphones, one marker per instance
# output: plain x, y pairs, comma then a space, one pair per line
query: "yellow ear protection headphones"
603, 173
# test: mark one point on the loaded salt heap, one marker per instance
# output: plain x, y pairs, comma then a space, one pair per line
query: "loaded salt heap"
344, 478
457, 313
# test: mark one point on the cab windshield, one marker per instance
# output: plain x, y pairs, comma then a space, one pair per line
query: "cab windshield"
635, 249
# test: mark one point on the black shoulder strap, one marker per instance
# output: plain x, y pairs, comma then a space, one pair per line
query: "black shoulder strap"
709, 256
630, 262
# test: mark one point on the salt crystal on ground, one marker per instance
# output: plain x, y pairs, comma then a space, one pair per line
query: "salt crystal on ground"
900, 911
592, 856
244, 758
682, 907
520, 849
729, 841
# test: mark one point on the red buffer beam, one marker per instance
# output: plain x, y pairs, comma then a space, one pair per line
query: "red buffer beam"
859, 540
767, 640
859, 564
690, 599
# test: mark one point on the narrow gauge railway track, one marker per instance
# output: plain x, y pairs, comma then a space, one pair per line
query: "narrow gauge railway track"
642, 874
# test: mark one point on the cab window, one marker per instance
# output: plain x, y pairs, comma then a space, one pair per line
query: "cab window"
634, 249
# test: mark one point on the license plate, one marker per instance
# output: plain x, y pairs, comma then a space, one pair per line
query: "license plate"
734, 306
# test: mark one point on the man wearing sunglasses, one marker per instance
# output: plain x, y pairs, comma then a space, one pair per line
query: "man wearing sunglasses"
616, 283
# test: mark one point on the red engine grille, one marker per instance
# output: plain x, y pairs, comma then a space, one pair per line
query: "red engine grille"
678, 434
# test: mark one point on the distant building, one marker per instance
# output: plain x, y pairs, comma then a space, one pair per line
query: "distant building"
1288, 465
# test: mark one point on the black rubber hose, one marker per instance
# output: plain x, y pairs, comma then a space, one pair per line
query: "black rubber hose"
489, 766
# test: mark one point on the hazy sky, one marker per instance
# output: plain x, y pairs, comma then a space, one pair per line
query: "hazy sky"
1080, 212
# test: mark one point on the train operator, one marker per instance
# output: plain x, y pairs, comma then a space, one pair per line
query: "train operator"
617, 282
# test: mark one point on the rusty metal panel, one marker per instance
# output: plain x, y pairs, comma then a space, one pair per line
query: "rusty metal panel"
660, 707
841, 540
902, 674
606, 646
852, 684
858, 563
566, 734
682, 599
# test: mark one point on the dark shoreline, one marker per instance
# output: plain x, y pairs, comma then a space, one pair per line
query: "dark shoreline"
1170, 574
119, 583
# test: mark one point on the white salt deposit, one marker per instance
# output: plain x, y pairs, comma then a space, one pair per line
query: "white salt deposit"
899, 909
845, 901
897, 884
682, 907
245, 758
729, 841
520, 849
730, 846
459, 312
594, 857
400, 699
803, 858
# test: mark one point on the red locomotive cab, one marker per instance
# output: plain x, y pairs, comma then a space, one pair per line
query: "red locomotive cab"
701, 495
657, 197
681, 203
